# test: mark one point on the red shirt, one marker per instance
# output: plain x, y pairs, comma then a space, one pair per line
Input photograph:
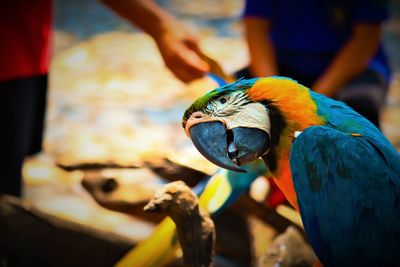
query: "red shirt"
25, 27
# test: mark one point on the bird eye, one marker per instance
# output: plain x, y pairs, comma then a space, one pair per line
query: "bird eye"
222, 100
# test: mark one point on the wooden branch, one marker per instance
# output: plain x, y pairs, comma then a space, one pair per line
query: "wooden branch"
163, 167
195, 228
105, 192
170, 170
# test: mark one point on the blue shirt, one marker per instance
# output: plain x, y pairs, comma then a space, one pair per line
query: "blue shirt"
307, 34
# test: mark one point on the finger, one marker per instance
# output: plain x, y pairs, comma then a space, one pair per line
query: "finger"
185, 75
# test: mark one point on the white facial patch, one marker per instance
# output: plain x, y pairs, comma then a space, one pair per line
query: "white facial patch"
253, 115
233, 110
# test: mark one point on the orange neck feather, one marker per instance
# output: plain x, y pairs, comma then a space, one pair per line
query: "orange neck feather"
292, 99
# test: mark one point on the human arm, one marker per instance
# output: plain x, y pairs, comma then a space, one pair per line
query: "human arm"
351, 60
262, 53
178, 48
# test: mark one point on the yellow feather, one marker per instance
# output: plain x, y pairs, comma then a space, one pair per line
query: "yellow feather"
158, 250
215, 194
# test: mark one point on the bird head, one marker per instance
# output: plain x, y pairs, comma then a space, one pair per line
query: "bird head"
228, 127
240, 122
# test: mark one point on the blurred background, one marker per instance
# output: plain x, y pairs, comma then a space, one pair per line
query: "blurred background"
114, 110
112, 102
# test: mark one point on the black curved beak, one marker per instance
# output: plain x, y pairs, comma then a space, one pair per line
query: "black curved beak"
229, 148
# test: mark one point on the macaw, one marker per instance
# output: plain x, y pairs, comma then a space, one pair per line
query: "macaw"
334, 166
216, 194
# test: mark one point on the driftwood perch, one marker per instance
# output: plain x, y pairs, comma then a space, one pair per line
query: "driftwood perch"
195, 228
288, 250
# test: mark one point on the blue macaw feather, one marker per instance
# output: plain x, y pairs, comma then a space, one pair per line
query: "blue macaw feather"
347, 178
217, 79
240, 182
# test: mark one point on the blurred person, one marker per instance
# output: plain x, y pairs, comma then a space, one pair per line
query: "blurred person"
332, 46
24, 52
25, 55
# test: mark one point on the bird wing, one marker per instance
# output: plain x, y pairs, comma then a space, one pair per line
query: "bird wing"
225, 187
348, 189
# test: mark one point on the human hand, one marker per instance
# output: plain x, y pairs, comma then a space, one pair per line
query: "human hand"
177, 46
182, 56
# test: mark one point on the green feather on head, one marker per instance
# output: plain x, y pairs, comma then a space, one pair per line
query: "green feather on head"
201, 102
